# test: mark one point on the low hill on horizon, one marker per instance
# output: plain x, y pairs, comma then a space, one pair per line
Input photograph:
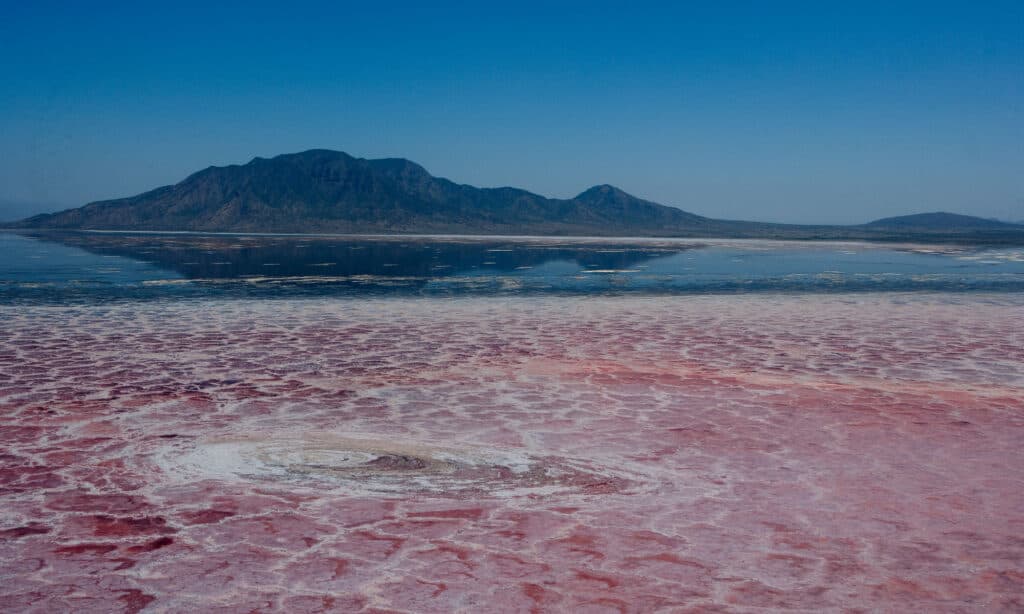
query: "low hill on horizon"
325, 191
939, 220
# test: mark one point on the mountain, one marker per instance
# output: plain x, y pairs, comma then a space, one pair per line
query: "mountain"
941, 221
323, 191
330, 191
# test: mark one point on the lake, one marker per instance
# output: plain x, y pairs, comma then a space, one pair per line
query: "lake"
114, 266
508, 424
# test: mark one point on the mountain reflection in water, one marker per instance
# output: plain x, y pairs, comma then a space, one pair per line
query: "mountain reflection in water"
231, 257
91, 266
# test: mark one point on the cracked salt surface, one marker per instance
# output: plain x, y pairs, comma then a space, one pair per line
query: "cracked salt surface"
750, 453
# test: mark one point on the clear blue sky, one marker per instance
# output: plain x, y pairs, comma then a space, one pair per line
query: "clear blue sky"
787, 111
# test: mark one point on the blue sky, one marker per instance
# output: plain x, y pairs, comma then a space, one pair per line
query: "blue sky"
783, 111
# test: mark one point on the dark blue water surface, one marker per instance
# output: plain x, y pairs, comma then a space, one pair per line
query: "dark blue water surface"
88, 267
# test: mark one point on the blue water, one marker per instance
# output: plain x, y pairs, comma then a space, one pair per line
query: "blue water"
89, 267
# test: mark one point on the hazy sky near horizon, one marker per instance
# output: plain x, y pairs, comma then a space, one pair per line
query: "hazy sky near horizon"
818, 112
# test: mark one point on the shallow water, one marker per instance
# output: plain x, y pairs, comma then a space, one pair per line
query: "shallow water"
91, 267
537, 448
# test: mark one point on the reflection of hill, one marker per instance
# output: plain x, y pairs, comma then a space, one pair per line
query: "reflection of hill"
220, 257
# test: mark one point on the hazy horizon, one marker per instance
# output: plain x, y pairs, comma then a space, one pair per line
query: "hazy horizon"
790, 113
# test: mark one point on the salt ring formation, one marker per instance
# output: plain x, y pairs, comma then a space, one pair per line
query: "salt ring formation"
373, 466
807, 452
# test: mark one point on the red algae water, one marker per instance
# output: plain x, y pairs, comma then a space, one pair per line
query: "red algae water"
671, 454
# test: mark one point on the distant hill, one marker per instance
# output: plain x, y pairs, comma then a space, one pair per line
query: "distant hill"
324, 191
330, 191
941, 221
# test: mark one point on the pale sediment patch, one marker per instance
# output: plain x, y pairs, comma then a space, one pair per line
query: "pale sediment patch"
384, 466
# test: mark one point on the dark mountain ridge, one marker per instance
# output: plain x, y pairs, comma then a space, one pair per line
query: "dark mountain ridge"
324, 191
328, 191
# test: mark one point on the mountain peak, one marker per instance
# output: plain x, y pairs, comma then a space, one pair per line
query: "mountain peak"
312, 153
603, 191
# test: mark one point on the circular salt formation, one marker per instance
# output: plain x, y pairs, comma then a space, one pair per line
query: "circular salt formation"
316, 460
376, 466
